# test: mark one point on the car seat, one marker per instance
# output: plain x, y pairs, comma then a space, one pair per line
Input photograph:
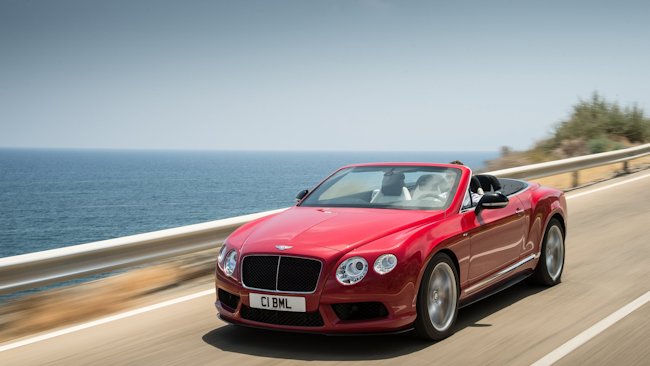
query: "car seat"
392, 190
489, 183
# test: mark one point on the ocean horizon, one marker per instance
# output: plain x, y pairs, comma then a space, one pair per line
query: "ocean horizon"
51, 197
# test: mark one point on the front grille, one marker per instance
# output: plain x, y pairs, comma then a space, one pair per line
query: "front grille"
228, 300
360, 310
275, 317
260, 271
280, 273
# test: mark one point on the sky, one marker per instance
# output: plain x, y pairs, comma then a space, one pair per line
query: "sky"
311, 75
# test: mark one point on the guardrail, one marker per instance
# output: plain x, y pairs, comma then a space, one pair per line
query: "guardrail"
32, 270
574, 164
41, 268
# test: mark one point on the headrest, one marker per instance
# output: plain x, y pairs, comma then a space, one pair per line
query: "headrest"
392, 184
428, 178
489, 182
474, 184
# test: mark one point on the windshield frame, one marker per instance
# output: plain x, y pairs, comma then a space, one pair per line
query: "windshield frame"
397, 167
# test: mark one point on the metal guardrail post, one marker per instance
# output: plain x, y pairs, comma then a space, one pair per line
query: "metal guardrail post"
575, 179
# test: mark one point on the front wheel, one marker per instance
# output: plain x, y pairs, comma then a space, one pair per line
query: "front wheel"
437, 304
551, 261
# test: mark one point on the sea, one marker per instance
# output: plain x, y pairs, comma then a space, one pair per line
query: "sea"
51, 198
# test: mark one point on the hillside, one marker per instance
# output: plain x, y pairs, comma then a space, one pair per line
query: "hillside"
594, 125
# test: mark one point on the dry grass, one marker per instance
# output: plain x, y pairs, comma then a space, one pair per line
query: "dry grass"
50, 309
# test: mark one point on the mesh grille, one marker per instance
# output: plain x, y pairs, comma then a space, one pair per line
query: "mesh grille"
313, 319
228, 300
260, 271
360, 310
293, 275
298, 274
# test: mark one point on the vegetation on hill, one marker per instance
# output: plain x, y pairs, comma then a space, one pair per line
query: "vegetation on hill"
594, 125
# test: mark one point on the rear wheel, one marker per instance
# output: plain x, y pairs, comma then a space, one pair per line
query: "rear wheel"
437, 304
551, 261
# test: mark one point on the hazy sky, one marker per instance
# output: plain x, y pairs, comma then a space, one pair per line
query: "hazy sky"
343, 75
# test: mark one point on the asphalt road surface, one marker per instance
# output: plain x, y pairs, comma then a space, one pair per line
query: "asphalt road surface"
607, 267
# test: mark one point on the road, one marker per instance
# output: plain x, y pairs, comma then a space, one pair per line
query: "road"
607, 267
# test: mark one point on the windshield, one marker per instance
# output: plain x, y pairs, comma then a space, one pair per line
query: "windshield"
401, 187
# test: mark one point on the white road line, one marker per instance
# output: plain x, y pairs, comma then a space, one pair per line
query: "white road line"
105, 320
163, 304
608, 186
591, 332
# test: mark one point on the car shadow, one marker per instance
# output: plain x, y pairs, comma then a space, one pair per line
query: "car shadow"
314, 347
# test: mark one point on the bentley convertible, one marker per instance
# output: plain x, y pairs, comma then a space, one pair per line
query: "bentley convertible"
390, 247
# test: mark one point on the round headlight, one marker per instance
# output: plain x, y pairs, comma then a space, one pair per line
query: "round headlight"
385, 263
222, 254
230, 263
352, 270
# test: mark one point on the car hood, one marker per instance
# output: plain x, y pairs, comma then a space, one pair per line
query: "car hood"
309, 228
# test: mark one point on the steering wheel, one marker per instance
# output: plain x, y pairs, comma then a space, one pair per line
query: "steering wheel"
434, 196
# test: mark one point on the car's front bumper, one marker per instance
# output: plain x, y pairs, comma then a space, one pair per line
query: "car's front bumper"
320, 316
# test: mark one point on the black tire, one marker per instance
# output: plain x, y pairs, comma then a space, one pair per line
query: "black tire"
424, 327
544, 274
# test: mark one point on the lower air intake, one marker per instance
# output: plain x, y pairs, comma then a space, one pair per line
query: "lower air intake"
360, 310
228, 300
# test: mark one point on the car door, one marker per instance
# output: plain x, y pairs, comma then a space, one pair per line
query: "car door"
496, 238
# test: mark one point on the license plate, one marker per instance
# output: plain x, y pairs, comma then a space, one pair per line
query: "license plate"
282, 303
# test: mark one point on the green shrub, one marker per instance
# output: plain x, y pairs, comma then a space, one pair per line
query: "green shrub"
594, 125
602, 144
602, 124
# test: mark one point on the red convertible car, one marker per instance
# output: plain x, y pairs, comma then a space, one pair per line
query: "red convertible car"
390, 247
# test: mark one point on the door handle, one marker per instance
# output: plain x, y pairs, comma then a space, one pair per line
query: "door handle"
519, 211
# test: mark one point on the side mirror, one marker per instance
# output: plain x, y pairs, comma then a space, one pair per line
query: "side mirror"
492, 200
301, 195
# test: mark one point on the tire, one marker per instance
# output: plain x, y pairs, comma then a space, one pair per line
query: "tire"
437, 302
551, 261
